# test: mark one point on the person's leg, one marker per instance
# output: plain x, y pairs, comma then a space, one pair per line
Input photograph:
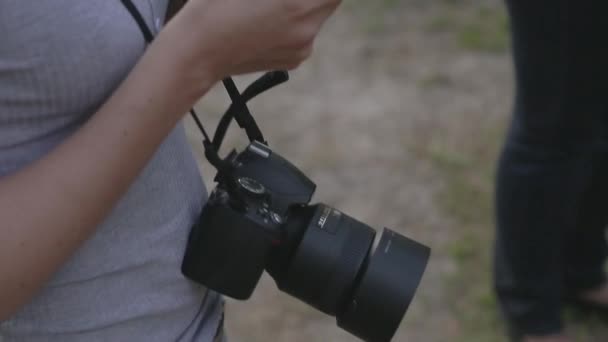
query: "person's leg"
546, 162
585, 244
537, 195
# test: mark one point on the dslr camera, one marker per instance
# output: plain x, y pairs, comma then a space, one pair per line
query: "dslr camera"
259, 218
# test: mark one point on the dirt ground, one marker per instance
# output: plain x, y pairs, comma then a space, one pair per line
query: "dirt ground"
398, 118
392, 86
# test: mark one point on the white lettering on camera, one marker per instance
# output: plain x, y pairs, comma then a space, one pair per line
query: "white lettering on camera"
323, 218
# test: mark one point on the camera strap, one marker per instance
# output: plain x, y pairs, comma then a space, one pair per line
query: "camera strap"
139, 19
237, 110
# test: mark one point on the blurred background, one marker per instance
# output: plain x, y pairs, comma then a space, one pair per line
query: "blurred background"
398, 118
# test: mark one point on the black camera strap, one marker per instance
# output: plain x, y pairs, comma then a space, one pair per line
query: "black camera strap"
139, 19
238, 109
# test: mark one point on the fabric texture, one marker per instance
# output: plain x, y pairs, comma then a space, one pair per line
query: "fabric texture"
552, 179
59, 61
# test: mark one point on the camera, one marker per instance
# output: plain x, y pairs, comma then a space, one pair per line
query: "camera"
263, 221
259, 218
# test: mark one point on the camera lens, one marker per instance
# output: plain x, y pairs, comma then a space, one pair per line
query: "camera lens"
385, 288
336, 268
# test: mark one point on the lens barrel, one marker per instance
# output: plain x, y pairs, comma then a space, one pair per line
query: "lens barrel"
386, 288
326, 262
336, 269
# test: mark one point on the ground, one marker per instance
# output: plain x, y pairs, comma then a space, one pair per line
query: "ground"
398, 118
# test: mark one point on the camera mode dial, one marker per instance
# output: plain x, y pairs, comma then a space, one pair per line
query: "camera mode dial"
251, 186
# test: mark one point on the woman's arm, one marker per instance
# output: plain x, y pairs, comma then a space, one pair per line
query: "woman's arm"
50, 207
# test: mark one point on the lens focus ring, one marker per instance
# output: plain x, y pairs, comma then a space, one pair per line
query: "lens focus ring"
351, 261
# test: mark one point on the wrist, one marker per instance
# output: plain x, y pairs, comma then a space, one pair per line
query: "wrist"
192, 62
160, 89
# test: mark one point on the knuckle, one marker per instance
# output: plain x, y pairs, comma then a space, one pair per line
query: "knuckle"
293, 64
304, 38
306, 52
332, 4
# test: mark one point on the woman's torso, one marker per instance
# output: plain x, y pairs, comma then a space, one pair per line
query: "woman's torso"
59, 61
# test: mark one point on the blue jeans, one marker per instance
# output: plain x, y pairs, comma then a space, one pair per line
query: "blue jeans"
552, 177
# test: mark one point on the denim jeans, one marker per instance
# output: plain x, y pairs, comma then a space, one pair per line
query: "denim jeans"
552, 175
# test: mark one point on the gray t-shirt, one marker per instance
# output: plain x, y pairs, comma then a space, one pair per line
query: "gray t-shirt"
59, 61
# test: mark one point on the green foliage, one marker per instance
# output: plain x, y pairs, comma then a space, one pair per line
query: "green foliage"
484, 29
467, 168
488, 31
374, 15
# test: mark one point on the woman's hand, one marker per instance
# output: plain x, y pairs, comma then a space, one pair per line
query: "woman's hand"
229, 37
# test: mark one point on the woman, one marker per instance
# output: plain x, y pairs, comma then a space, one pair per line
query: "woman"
98, 187
552, 185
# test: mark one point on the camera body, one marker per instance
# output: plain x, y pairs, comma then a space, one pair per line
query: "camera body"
259, 218
229, 246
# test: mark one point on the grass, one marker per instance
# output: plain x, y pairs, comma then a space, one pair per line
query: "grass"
467, 169
375, 15
466, 165
484, 29
435, 79
481, 29
488, 32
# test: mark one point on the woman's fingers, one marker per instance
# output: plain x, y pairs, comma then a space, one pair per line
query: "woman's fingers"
241, 36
